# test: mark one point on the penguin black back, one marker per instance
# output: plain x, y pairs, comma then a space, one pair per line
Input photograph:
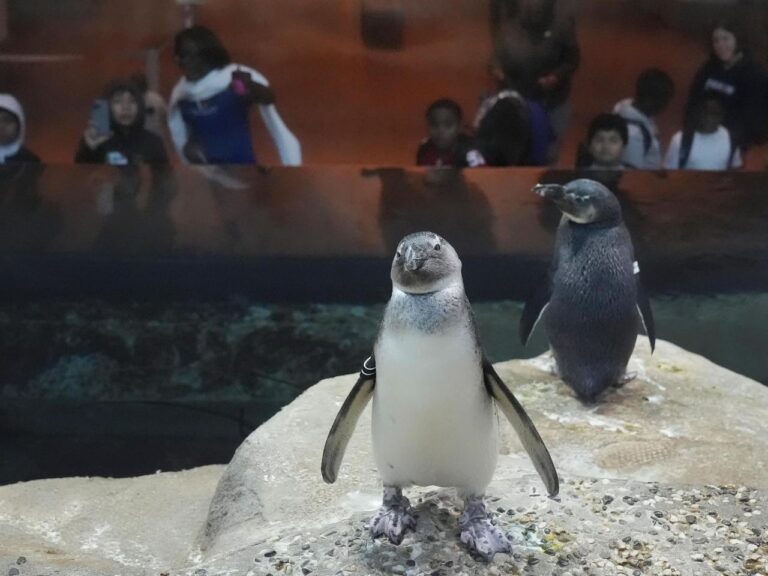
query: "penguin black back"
591, 316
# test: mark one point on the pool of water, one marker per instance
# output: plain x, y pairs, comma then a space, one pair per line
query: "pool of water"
99, 388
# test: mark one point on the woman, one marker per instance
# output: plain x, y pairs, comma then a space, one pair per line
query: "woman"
208, 112
536, 54
741, 83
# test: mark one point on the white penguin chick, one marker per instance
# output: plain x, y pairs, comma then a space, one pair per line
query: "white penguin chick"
434, 399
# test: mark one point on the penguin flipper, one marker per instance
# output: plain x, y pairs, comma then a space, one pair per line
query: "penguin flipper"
346, 420
524, 427
534, 309
646, 314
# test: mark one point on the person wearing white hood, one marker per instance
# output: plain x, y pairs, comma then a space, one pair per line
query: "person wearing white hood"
208, 110
12, 132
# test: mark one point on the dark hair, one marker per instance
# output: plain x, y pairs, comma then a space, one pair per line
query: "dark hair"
608, 123
119, 86
704, 98
445, 104
735, 29
139, 80
212, 51
654, 86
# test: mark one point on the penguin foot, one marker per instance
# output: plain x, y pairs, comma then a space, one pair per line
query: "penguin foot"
394, 518
626, 379
477, 532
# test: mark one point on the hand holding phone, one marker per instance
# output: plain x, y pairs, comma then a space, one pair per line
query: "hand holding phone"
100, 116
244, 85
241, 82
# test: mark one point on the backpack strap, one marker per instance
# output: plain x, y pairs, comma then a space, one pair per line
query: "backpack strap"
686, 143
732, 151
647, 137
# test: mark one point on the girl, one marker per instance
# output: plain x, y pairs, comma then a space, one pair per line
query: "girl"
208, 112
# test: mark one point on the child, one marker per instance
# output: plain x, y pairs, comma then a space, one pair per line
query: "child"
446, 144
653, 92
704, 143
12, 132
606, 140
128, 142
208, 114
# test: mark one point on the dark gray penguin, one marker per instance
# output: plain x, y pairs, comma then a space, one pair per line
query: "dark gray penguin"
592, 303
435, 395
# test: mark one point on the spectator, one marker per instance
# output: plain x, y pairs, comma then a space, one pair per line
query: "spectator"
155, 108
704, 143
447, 145
732, 73
607, 139
653, 92
13, 132
128, 142
536, 48
208, 112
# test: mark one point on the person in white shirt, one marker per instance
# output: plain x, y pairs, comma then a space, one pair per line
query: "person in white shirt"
704, 144
653, 91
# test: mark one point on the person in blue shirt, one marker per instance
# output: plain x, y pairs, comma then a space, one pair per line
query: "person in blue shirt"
209, 108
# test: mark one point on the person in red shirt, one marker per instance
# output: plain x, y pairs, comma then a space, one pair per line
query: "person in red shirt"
447, 145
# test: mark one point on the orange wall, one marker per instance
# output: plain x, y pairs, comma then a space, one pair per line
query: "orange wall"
347, 104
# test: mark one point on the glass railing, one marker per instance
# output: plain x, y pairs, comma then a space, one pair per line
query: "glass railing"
151, 319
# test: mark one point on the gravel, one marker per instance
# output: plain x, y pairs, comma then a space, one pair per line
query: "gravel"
595, 527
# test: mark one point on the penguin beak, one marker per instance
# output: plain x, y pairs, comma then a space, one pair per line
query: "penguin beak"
551, 191
414, 259
413, 264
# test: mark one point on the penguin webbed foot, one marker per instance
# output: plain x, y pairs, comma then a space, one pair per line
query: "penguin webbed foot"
479, 534
394, 518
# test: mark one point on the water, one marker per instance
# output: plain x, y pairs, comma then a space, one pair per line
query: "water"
120, 390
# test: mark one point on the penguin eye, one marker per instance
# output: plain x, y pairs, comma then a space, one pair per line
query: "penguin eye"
398, 255
437, 247
581, 198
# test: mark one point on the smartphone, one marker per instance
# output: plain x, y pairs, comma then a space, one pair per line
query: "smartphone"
100, 116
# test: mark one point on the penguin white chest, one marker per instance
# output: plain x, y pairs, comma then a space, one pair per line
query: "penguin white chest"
433, 421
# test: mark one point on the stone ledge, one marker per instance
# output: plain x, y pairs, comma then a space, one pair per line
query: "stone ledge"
697, 430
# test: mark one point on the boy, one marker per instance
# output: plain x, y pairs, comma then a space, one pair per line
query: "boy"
704, 143
653, 92
606, 140
446, 144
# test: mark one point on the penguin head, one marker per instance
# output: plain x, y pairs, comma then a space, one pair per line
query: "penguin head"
424, 263
583, 201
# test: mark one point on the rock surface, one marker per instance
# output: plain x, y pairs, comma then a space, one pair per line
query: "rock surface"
104, 526
654, 482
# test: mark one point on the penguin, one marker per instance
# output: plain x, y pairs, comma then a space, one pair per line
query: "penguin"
435, 396
592, 303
